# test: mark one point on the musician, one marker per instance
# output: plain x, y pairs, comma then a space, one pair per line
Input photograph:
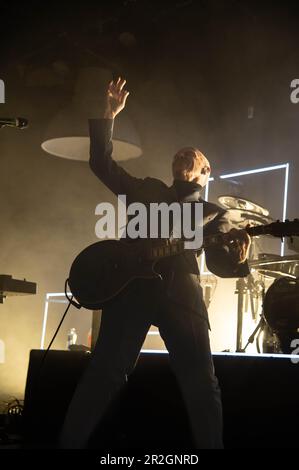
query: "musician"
175, 305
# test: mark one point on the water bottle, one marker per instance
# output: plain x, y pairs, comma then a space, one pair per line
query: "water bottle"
71, 338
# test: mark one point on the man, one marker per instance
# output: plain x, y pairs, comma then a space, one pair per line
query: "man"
175, 305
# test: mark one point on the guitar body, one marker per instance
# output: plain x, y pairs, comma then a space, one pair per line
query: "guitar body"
104, 269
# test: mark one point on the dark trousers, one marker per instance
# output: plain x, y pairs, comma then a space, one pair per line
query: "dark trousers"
124, 327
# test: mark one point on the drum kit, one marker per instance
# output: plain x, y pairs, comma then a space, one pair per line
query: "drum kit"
279, 318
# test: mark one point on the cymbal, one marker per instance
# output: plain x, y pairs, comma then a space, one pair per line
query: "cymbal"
233, 202
244, 217
276, 266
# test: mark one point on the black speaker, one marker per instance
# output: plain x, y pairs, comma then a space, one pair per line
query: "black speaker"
259, 395
149, 409
50, 385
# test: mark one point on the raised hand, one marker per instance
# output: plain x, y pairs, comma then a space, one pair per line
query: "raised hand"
116, 98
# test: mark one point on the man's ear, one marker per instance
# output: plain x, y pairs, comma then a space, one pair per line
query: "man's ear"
205, 170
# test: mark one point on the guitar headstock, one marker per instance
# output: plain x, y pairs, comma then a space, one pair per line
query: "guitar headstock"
277, 229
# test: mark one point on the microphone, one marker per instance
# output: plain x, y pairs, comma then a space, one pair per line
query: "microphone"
19, 122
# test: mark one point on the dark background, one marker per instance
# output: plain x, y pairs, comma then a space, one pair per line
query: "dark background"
193, 68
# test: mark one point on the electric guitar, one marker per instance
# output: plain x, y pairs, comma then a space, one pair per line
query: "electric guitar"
105, 268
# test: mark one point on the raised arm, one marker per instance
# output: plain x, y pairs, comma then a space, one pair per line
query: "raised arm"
101, 130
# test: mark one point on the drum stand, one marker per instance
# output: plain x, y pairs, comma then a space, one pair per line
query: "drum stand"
270, 341
263, 327
259, 328
245, 286
241, 290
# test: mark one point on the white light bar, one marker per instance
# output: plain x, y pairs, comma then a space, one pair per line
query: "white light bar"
207, 188
285, 203
42, 342
202, 264
59, 294
257, 170
46, 309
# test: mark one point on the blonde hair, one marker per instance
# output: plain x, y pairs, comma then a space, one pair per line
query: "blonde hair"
188, 163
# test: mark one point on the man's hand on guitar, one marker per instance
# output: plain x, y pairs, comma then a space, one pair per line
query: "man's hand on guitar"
116, 98
239, 244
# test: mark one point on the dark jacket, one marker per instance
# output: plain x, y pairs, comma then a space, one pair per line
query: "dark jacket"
149, 190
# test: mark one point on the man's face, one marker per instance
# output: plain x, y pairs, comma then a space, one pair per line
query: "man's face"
189, 164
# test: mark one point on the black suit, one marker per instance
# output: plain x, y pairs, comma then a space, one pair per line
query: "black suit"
175, 305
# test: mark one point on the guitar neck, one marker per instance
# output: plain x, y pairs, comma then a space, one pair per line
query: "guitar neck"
166, 247
174, 247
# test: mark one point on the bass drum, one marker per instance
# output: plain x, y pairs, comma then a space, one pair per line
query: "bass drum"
281, 310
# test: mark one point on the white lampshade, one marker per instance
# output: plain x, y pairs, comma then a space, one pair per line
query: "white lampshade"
67, 135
